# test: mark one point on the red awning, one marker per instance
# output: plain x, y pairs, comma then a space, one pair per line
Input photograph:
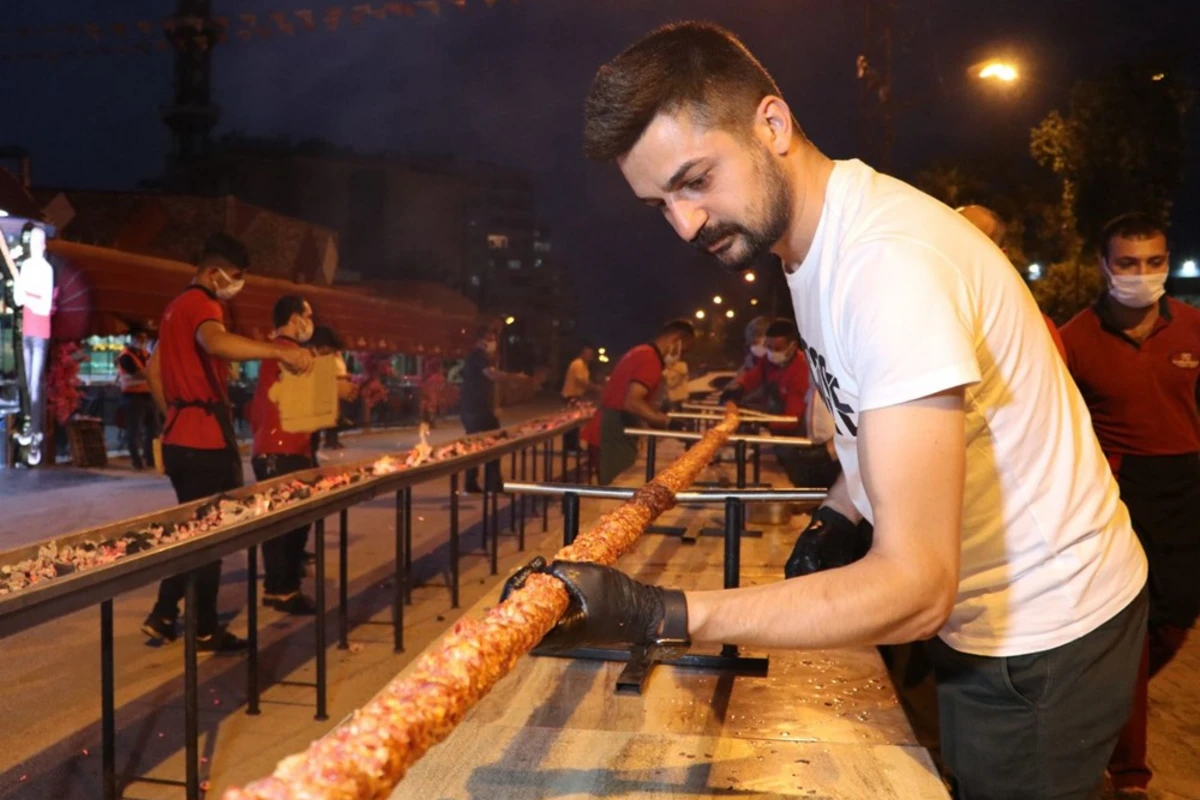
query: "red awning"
112, 291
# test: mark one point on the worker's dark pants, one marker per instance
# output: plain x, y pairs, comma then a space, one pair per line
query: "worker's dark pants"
283, 556
1039, 726
1162, 494
141, 427
478, 423
195, 474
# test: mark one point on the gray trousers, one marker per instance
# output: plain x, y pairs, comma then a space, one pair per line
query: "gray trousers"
1039, 726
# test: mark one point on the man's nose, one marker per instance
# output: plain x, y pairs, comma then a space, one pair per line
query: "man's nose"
687, 219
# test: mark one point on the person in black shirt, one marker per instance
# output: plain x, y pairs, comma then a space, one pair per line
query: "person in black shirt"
477, 405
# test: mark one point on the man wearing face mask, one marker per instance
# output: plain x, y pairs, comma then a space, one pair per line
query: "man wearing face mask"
782, 375
629, 399
477, 401
187, 375
278, 452
1136, 357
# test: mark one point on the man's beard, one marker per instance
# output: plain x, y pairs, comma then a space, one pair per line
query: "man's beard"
749, 243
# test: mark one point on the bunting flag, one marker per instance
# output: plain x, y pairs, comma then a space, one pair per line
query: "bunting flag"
145, 37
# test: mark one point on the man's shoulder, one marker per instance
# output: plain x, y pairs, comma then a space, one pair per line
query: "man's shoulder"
1182, 311
1080, 326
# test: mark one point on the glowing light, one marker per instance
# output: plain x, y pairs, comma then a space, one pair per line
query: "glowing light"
1158, 76
750, 277
603, 359
700, 313
509, 320
1188, 269
999, 71
602, 350
729, 313
717, 299
753, 301
1034, 272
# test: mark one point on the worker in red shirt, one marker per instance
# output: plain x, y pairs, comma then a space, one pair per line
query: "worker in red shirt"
1135, 355
782, 374
278, 452
629, 399
187, 375
994, 228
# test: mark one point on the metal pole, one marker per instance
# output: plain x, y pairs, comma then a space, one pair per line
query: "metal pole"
548, 462
398, 579
408, 545
495, 533
191, 693
651, 457
739, 451
252, 631
533, 476
108, 722
321, 714
343, 579
520, 500
579, 465
733, 553
512, 506
454, 540
570, 508
757, 464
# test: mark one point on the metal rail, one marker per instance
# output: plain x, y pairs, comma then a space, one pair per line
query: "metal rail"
752, 418
707, 497
786, 441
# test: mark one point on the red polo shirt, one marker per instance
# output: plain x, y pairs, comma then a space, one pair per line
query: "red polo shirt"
1142, 397
789, 381
643, 364
188, 373
269, 435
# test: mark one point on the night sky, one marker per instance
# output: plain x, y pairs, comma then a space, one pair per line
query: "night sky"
506, 85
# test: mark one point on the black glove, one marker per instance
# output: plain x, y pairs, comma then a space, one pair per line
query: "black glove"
829, 541
608, 607
732, 394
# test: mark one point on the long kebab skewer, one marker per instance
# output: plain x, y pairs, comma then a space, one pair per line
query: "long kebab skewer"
366, 756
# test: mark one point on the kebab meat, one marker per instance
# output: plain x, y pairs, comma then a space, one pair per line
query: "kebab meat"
367, 755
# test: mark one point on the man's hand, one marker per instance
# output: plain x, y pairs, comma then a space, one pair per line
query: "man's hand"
732, 394
607, 607
296, 359
829, 541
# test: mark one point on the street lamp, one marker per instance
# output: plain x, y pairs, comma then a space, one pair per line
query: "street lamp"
997, 70
700, 313
750, 277
1188, 269
717, 299
729, 313
509, 320
753, 301
602, 350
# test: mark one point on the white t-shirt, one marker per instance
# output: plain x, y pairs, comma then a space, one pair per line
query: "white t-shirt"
576, 382
900, 298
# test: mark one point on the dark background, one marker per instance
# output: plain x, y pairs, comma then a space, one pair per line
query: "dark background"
505, 84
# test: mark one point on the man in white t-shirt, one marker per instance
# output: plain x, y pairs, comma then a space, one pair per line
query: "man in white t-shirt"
997, 522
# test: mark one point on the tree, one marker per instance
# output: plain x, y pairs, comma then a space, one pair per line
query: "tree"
1119, 148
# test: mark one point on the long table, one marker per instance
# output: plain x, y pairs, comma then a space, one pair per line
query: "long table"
819, 724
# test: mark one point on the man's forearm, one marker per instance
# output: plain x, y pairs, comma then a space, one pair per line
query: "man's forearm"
875, 600
154, 381
642, 409
232, 347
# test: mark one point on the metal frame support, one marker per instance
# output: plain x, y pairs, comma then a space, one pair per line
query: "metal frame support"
344, 579
454, 540
570, 510
252, 693
191, 692
399, 580
108, 720
319, 544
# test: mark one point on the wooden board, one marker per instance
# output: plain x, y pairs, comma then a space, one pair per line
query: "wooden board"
495, 762
308, 402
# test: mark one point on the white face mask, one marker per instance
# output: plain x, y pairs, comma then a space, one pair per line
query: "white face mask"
758, 350
229, 290
1136, 291
777, 358
305, 331
671, 357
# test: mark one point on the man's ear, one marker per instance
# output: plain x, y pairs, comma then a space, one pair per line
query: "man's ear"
774, 121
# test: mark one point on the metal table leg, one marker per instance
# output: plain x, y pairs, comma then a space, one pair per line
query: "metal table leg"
408, 546
454, 540
252, 631
651, 457
321, 714
343, 579
570, 509
398, 581
108, 721
495, 532
512, 506
191, 693
547, 468
520, 500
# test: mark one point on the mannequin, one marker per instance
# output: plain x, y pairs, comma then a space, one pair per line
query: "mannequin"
34, 291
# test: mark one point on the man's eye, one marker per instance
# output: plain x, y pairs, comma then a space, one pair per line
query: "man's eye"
697, 184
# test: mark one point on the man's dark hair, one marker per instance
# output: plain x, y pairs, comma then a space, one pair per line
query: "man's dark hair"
285, 307
680, 326
783, 327
325, 336
696, 66
230, 248
1132, 225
